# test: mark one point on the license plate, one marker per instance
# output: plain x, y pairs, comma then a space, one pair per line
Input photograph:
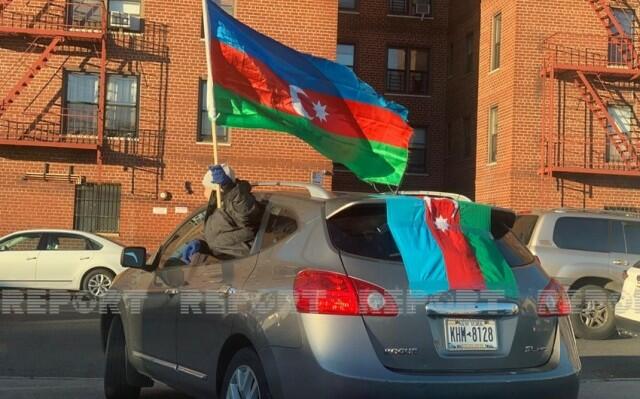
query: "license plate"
471, 335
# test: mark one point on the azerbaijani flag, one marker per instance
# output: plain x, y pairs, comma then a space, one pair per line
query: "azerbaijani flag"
259, 83
447, 245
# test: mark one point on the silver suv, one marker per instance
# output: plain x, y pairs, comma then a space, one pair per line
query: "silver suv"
321, 308
588, 252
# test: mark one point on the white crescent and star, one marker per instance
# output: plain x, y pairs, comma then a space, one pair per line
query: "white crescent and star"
319, 109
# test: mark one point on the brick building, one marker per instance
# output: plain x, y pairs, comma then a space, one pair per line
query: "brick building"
557, 121
110, 136
110, 176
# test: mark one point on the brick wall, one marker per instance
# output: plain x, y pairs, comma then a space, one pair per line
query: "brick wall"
169, 157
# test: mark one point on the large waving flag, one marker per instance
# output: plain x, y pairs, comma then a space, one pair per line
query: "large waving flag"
259, 83
446, 245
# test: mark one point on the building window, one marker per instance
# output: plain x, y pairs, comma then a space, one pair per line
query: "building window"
125, 14
204, 123
121, 117
410, 7
618, 47
81, 103
346, 55
418, 151
469, 47
97, 208
347, 4
121, 114
493, 135
623, 116
467, 138
407, 71
496, 42
84, 13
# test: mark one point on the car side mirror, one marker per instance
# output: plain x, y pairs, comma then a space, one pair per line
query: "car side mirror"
134, 257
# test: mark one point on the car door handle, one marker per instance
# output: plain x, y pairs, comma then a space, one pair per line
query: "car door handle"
226, 290
620, 262
34, 258
172, 291
85, 258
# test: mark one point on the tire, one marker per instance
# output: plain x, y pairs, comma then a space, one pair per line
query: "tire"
115, 374
593, 315
97, 282
243, 363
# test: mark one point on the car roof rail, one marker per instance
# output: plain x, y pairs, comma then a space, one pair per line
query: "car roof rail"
453, 196
314, 190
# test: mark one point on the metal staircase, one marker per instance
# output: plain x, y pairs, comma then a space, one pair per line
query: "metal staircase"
29, 75
604, 72
628, 152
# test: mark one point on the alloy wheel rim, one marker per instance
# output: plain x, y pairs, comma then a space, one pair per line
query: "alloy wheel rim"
243, 384
594, 314
98, 285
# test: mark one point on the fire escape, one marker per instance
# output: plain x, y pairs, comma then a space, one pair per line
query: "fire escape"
54, 27
588, 121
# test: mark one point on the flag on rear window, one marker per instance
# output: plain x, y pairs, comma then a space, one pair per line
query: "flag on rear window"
259, 83
447, 245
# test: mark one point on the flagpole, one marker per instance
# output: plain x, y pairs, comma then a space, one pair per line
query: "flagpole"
211, 105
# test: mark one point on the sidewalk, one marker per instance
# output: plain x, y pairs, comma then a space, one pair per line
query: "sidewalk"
91, 388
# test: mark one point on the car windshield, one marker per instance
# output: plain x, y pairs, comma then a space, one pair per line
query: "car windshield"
523, 227
362, 230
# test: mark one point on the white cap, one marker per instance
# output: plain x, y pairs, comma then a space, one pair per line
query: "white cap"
207, 180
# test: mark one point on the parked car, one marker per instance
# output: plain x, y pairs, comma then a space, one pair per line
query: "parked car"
59, 259
588, 252
628, 308
242, 328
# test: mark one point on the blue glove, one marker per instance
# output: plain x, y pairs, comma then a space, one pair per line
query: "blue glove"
189, 250
219, 176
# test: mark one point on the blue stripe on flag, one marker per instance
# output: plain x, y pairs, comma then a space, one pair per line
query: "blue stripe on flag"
298, 69
422, 257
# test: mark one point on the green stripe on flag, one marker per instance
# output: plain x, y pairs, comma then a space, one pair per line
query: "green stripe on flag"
371, 161
475, 220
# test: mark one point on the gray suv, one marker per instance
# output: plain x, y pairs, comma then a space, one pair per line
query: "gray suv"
321, 309
588, 252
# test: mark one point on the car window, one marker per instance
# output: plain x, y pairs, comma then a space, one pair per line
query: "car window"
22, 242
523, 227
582, 234
362, 230
67, 242
632, 236
616, 238
190, 230
280, 225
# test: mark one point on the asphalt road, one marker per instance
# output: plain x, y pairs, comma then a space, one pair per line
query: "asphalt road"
59, 356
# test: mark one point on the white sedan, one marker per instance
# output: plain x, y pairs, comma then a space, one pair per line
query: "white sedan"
59, 259
628, 308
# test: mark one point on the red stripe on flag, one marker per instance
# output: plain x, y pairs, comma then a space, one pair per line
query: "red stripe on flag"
463, 271
239, 72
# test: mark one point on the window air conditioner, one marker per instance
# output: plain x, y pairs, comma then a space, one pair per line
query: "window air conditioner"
120, 20
423, 7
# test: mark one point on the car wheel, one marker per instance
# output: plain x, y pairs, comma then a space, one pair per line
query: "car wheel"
593, 315
97, 282
115, 374
245, 378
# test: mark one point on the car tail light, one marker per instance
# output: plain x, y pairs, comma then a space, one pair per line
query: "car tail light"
554, 301
322, 292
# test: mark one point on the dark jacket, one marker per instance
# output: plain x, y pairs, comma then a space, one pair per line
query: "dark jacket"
231, 230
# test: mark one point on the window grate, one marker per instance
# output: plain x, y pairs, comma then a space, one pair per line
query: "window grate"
97, 208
